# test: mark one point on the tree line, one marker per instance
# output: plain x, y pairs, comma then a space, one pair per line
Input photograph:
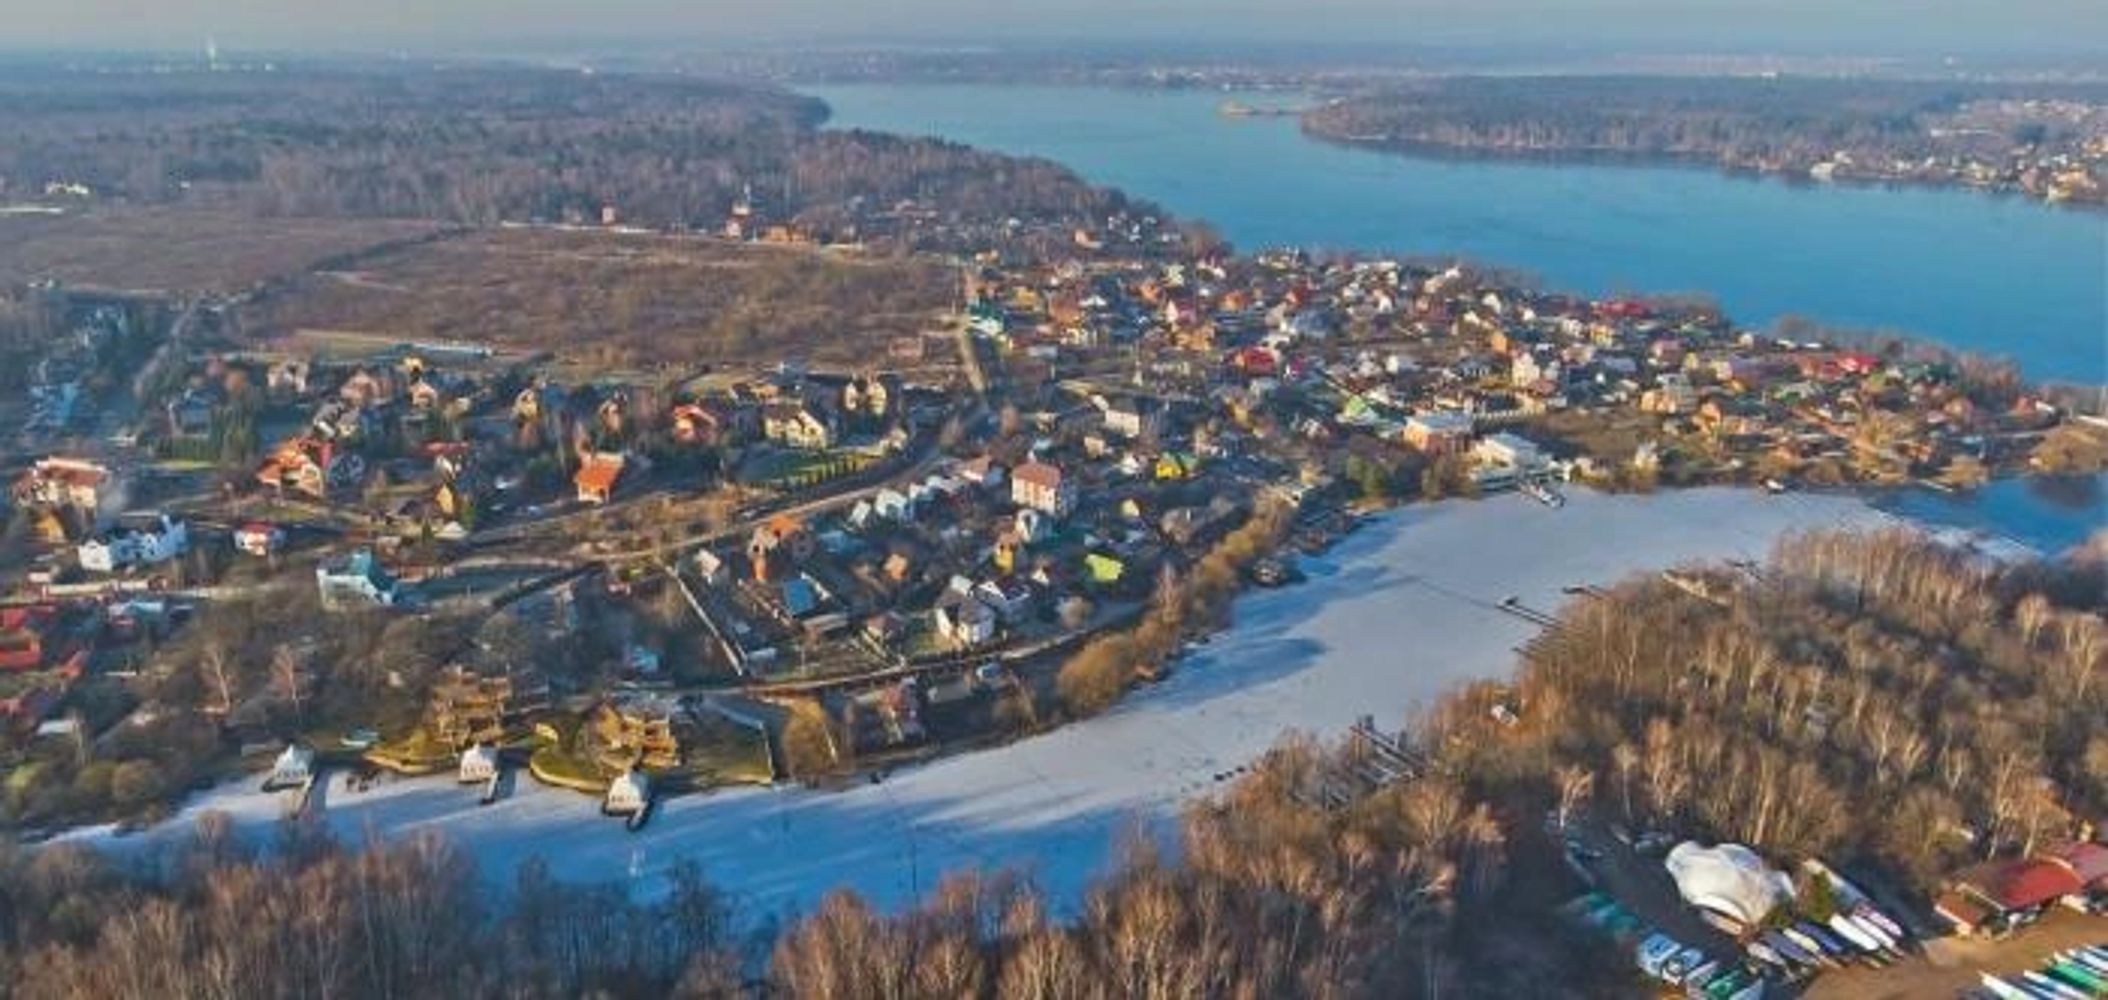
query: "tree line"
483, 145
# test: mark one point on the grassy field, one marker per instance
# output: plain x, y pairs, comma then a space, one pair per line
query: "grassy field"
179, 250
619, 299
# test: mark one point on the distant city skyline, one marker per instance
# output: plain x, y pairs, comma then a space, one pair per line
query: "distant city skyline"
1903, 27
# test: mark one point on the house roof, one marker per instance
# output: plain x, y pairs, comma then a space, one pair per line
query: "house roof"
2088, 860
599, 471
2020, 884
1038, 473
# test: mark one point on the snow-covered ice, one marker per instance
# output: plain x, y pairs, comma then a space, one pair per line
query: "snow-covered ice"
1393, 617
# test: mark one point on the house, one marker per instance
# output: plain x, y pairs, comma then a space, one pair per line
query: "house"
259, 539
983, 472
1032, 526
795, 425
287, 378
710, 568
363, 389
1504, 460
62, 482
697, 424
164, 539
1042, 487
777, 545
426, 395
597, 473
1103, 570
634, 731
1174, 466
1998, 896
1440, 433
964, 621
892, 505
1129, 417
300, 466
190, 414
1010, 598
469, 708
22, 632
356, 580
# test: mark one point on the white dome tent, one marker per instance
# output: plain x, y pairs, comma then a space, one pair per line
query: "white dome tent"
1730, 880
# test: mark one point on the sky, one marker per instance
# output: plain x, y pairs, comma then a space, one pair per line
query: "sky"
1914, 27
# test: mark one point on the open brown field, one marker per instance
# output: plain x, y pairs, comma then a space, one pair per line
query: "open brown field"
180, 250
620, 299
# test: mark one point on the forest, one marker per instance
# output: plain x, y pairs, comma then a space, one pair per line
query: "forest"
1750, 123
478, 145
1878, 699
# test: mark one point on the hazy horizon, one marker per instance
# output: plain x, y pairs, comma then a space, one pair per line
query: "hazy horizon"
2052, 28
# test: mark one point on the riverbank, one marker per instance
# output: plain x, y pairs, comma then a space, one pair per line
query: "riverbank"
1397, 615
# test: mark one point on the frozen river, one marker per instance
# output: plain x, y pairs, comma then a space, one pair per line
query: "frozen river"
1394, 616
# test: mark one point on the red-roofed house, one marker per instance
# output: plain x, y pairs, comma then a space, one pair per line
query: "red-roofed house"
596, 477
1042, 487
1997, 896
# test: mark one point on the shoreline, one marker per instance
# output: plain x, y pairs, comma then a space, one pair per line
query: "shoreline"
1312, 657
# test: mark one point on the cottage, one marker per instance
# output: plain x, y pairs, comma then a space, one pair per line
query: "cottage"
597, 474
1039, 486
356, 580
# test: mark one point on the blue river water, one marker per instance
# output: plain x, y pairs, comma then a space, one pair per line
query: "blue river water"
1996, 274
1993, 274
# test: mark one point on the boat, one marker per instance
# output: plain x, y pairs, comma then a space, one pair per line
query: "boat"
1774, 486
1543, 494
2001, 989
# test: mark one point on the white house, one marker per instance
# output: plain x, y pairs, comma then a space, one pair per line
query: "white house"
479, 763
166, 539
